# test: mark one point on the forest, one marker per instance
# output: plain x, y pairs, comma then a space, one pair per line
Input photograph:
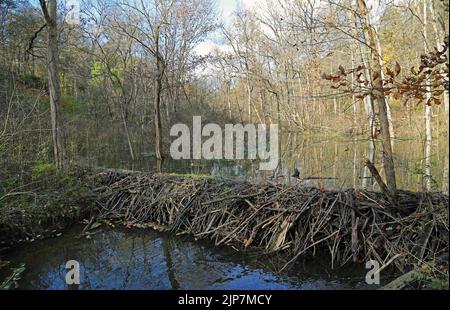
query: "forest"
89, 92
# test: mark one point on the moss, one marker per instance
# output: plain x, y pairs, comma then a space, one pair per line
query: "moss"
150, 154
430, 280
439, 284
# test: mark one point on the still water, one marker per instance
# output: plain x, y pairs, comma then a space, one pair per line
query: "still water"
145, 259
332, 162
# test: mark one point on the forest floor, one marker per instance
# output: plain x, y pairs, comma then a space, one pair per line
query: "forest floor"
351, 225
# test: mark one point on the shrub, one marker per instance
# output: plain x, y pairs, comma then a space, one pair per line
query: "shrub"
41, 170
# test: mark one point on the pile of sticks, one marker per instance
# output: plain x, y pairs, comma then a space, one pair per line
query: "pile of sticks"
351, 225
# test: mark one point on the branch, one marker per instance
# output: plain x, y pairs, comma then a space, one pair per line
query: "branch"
30, 45
383, 187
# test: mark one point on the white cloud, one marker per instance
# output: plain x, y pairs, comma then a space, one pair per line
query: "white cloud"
227, 7
252, 4
207, 47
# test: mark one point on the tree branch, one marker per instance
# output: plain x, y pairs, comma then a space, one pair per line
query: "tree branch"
30, 45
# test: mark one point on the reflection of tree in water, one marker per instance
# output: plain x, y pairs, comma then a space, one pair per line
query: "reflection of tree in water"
167, 247
130, 259
190, 262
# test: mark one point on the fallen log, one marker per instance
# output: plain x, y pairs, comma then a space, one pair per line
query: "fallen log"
402, 281
384, 189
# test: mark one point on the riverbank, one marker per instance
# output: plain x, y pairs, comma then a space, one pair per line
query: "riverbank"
349, 226
44, 203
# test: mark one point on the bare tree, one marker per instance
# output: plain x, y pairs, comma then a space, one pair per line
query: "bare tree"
377, 80
427, 114
164, 28
49, 9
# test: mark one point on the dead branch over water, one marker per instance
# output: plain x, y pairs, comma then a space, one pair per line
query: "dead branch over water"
351, 225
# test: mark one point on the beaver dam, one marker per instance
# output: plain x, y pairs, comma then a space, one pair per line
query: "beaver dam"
295, 221
351, 225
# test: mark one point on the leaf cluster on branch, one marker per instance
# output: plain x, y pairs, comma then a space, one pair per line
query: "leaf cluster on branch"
425, 84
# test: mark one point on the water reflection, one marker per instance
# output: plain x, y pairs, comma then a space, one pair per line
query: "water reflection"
329, 162
115, 259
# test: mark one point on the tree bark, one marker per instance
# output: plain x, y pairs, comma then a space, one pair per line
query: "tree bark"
49, 10
440, 34
388, 109
157, 99
427, 112
368, 100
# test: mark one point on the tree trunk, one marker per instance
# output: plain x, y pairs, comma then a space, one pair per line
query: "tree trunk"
127, 131
354, 102
380, 98
157, 101
230, 114
388, 109
54, 82
368, 100
440, 34
427, 114
249, 99
158, 88
367, 179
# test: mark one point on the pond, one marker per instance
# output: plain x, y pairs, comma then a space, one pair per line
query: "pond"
145, 259
329, 161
